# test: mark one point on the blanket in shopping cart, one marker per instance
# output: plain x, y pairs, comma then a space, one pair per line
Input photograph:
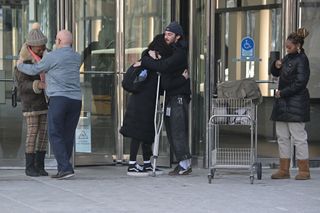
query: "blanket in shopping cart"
239, 89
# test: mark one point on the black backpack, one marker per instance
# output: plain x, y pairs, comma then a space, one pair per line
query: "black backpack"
134, 79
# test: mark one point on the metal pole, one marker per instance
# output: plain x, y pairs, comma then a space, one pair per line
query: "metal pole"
119, 68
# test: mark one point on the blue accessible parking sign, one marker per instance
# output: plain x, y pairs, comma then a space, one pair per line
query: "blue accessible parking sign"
247, 48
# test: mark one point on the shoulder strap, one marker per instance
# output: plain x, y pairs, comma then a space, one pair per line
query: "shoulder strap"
14, 90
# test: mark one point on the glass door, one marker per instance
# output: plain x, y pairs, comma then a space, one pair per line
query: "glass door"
11, 127
143, 20
95, 39
263, 26
262, 23
110, 35
16, 18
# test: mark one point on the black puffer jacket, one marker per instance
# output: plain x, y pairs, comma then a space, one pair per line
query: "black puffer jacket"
171, 69
293, 105
33, 101
138, 122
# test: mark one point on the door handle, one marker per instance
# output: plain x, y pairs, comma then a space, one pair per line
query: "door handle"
219, 62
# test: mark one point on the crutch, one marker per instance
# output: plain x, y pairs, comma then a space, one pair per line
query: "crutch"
158, 121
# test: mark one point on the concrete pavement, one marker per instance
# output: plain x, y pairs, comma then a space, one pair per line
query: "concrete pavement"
109, 189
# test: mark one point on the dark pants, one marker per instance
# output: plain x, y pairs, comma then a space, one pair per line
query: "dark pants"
146, 150
63, 117
176, 121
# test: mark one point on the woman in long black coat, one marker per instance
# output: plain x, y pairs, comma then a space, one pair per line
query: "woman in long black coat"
138, 123
291, 107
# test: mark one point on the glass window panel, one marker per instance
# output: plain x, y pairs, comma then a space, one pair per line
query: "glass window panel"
220, 4
144, 19
258, 2
310, 19
47, 16
264, 26
95, 35
14, 26
198, 78
226, 4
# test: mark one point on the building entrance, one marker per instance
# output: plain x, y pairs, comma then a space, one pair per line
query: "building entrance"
245, 35
110, 36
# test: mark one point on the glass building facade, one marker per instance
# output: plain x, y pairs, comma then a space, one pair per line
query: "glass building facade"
111, 34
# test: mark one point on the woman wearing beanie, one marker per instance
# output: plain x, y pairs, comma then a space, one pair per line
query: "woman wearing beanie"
138, 122
291, 108
34, 105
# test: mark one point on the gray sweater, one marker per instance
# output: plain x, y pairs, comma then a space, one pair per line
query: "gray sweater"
61, 67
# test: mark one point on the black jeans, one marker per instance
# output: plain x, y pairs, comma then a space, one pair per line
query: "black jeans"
176, 121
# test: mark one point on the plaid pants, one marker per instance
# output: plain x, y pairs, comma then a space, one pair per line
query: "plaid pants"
36, 129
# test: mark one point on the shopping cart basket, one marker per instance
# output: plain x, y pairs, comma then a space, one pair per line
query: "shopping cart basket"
233, 112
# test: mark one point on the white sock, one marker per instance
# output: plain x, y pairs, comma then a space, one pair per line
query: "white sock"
148, 161
132, 162
185, 163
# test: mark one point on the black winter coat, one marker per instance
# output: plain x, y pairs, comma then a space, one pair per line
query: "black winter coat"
293, 105
171, 69
138, 122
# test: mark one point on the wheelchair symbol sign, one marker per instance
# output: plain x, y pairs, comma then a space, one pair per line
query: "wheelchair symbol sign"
247, 47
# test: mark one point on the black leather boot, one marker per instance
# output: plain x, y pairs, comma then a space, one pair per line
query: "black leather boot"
30, 169
39, 164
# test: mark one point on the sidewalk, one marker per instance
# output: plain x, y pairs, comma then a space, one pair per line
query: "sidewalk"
109, 189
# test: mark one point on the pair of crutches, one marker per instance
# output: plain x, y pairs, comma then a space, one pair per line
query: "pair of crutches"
158, 122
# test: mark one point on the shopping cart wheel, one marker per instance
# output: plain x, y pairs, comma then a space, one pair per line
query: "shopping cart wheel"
259, 170
251, 179
153, 174
210, 177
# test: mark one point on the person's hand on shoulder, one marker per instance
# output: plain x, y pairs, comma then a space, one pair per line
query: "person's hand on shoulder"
41, 85
20, 61
137, 64
277, 94
153, 54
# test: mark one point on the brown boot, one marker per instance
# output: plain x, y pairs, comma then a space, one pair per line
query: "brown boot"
283, 172
304, 172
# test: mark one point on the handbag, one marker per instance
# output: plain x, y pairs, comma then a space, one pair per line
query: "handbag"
134, 79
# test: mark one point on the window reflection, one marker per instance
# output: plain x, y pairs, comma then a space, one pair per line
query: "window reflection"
95, 39
264, 27
143, 20
310, 19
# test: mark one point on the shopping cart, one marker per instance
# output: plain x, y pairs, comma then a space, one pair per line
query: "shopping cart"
233, 112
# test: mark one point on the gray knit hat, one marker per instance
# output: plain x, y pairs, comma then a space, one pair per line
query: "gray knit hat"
36, 38
175, 28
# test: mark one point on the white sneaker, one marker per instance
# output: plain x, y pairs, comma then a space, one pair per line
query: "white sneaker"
136, 170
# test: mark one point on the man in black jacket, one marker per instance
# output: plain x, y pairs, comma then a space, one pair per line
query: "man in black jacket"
176, 82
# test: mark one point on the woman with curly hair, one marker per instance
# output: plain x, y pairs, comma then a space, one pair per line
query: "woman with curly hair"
291, 108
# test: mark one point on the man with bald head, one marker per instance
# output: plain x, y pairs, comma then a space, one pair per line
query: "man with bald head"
61, 68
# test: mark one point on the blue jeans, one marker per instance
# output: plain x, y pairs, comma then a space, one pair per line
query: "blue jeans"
63, 117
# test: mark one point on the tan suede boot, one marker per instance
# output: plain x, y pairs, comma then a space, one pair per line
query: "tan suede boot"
283, 172
304, 172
